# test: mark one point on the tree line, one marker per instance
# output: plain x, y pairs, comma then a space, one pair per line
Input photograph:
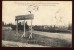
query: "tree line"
44, 28
20, 26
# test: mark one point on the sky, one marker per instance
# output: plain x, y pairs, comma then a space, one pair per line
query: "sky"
45, 12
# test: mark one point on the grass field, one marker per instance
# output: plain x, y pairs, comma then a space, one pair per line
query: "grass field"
40, 38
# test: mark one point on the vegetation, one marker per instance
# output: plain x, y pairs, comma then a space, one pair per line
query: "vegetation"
44, 28
37, 39
10, 35
20, 27
53, 28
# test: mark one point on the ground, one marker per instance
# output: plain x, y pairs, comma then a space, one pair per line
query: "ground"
39, 38
18, 44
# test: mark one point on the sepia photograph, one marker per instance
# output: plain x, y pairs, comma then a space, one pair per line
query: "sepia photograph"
37, 24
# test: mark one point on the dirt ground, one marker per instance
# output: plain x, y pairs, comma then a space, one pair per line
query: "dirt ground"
40, 38
18, 44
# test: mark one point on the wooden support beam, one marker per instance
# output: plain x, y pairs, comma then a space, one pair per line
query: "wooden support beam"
30, 37
16, 27
24, 30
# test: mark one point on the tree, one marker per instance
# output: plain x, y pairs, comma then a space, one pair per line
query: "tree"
26, 26
2, 23
70, 27
10, 24
20, 27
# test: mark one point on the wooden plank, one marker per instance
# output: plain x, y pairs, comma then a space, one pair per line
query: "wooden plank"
24, 17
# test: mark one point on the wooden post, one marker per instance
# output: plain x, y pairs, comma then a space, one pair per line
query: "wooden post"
16, 27
31, 31
24, 30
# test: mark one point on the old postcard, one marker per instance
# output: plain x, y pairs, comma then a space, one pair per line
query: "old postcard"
37, 24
